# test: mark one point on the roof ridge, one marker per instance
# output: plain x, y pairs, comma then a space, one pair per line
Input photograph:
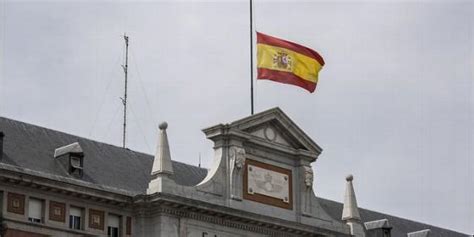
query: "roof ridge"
72, 135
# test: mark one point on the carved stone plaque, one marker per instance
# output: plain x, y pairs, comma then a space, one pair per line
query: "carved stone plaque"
268, 184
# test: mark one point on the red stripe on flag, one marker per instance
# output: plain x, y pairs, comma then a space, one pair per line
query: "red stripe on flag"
270, 40
286, 78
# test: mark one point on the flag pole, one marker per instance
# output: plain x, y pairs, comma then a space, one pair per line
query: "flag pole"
251, 59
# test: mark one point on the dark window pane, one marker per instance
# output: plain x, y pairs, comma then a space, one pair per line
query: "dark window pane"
112, 231
75, 222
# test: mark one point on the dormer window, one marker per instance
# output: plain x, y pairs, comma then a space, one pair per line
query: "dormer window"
72, 158
75, 164
378, 228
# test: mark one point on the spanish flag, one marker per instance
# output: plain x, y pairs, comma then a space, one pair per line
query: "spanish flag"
286, 62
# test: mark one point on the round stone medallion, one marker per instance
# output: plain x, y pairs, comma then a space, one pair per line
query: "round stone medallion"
269, 133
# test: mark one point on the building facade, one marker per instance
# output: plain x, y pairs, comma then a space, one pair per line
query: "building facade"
261, 184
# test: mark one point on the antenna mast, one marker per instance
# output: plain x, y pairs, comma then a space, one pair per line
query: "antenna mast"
124, 99
199, 160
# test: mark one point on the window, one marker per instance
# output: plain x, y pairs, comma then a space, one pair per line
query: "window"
75, 218
76, 162
35, 210
75, 165
113, 226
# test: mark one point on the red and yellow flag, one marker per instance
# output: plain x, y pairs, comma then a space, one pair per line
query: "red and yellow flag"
286, 62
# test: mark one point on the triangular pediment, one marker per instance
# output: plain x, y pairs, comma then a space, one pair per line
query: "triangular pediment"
271, 133
274, 126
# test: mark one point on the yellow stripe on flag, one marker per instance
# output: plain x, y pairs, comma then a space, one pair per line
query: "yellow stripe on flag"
301, 65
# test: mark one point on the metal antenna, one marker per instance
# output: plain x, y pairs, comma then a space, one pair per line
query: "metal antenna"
124, 99
199, 160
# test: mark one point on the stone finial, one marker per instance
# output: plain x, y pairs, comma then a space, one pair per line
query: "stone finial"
162, 163
163, 126
350, 211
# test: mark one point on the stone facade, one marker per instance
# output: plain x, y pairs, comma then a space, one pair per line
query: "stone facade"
261, 184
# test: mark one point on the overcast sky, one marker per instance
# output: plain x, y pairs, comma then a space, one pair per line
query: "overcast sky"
394, 104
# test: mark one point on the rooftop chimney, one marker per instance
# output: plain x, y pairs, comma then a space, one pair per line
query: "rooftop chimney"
162, 163
350, 212
1, 144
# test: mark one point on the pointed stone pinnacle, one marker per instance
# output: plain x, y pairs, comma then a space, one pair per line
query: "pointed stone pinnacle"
162, 163
350, 211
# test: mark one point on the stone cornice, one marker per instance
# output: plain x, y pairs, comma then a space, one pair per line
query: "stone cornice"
300, 153
48, 183
161, 203
223, 130
168, 204
40, 225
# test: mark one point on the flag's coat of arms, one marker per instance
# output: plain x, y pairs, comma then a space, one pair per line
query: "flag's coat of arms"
286, 62
282, 60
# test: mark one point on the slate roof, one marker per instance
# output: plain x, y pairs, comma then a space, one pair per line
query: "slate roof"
32, 147
400, 226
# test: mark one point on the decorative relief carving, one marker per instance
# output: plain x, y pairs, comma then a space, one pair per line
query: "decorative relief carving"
16, 203
269, 134
237, 162
268, 184
237, 155
57, 211
307, 189
308, 176
96, 219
